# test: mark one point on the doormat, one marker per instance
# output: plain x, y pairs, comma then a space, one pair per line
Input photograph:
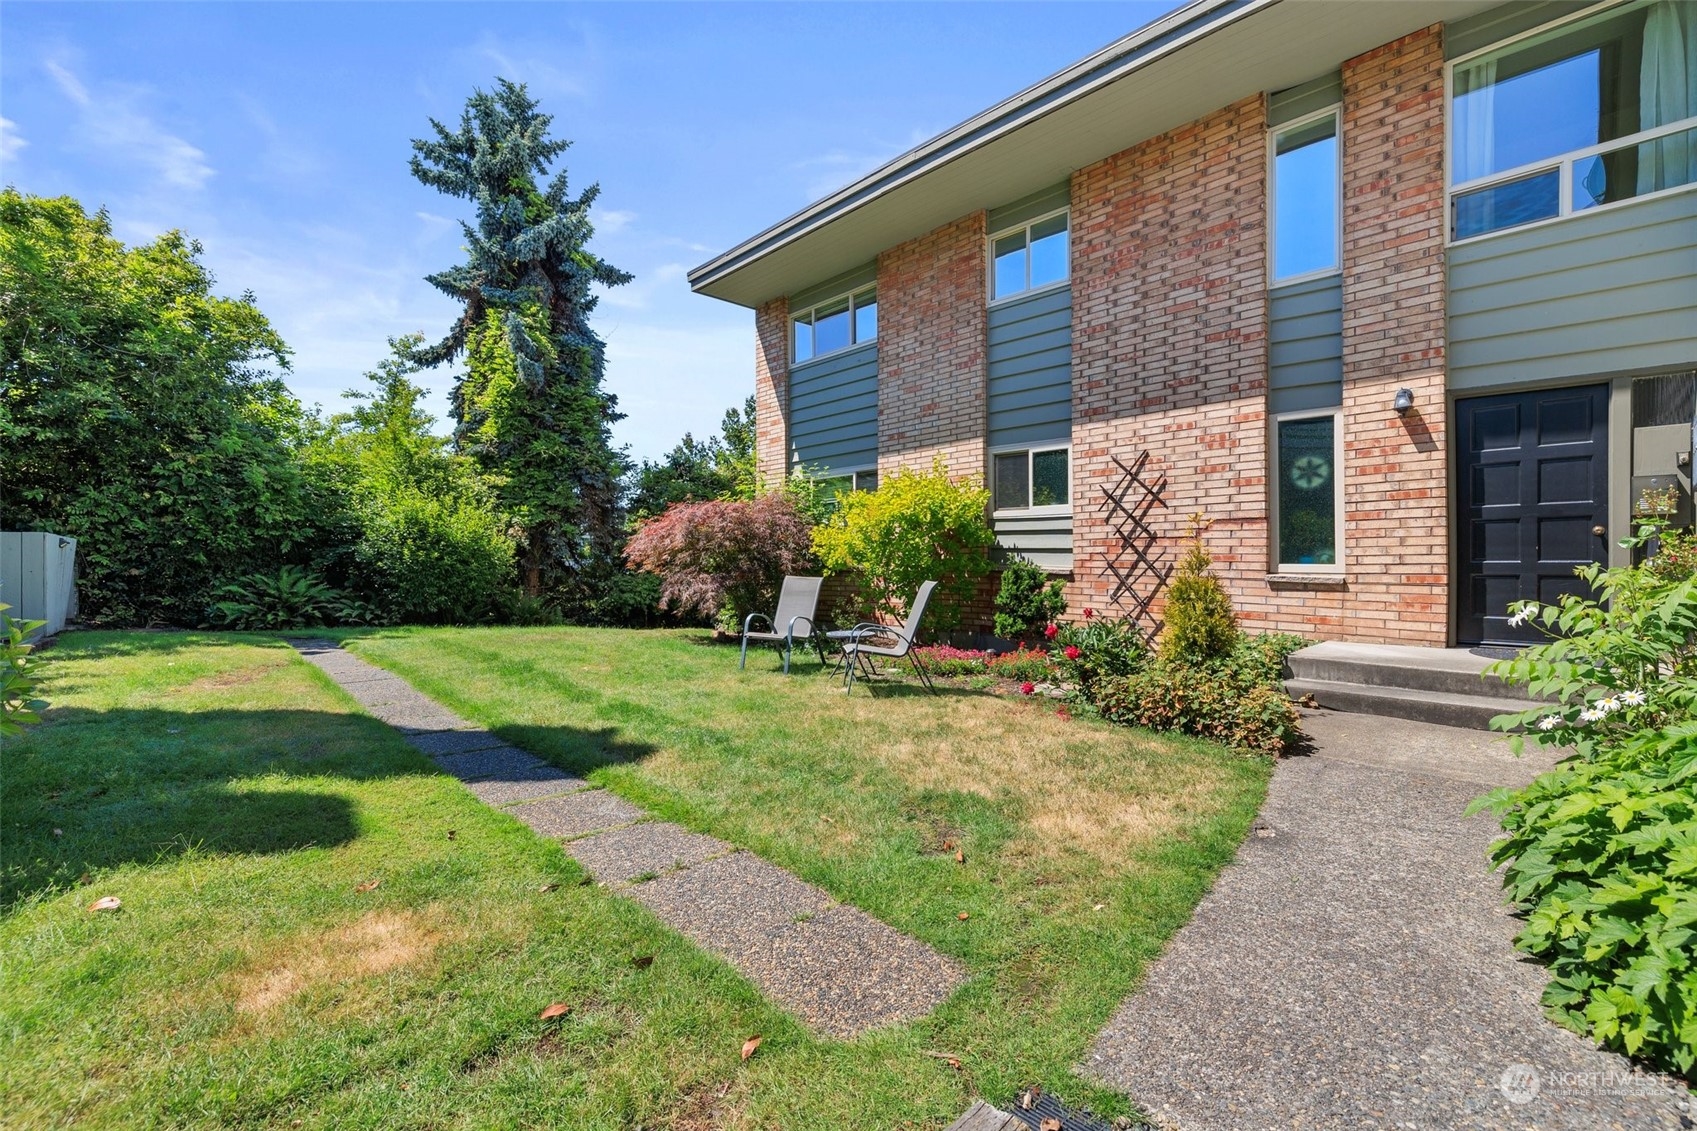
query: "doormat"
1496, 651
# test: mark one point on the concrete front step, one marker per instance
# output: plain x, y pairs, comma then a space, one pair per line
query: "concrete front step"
1451, 671
1442, 708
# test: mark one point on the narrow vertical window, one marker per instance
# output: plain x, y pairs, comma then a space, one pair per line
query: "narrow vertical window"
1307, 491
1306, 190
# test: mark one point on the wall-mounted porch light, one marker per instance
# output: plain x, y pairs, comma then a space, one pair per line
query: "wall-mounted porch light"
1403, 402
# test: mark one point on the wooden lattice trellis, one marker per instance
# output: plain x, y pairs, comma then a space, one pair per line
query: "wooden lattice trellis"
1137, 566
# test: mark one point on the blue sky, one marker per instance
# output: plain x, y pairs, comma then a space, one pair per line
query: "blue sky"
278, 135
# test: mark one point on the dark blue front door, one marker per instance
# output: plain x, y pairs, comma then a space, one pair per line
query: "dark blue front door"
1532, 499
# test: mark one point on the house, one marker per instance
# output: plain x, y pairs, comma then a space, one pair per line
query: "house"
1401, 295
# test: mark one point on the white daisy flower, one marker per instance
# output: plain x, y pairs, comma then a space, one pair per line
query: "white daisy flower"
1608, 706
1590, 715
1549, 722
1517, 618
1633, 698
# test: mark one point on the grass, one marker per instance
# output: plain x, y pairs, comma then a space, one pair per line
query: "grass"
235, 800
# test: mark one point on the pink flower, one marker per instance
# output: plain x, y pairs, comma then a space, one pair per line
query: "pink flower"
1088, 613
1028, 688
1050, 632
1071, 652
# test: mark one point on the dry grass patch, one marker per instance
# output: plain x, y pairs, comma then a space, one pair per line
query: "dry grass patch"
375, 943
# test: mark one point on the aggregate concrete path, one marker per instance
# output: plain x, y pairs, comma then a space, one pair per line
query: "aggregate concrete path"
1354, 967
837, 968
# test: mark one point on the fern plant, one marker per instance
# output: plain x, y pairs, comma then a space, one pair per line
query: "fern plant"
292, 597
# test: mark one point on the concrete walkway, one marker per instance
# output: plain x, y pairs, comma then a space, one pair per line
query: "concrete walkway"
1354, 967
837, 968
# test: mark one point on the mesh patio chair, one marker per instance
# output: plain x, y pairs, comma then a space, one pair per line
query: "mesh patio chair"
882, 640
798, 600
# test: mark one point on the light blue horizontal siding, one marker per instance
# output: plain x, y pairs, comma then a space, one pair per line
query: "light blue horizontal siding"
1030, 369
1304, 99
1606, 292
833, 410
1043, 540
1305, 339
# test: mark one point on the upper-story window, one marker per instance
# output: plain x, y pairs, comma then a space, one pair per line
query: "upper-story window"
1029, 256
1599, 109
836, 324
1032, 478
1307, 190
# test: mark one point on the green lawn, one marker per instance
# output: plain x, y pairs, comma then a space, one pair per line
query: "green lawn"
235, 800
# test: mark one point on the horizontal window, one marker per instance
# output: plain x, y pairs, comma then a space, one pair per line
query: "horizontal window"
832, 486
847, 320
1593, 111
1028, 257
1306, 496
1032, 478
1306, 193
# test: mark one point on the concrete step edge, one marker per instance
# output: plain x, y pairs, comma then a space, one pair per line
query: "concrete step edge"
1444, 708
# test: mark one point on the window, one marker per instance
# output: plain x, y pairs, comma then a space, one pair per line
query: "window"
1028, 257
832, 486
844, 321
1307, 186
1032, 478
1306, 498
1590, 112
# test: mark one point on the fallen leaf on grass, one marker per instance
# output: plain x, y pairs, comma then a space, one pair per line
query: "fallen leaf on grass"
948, 1058
1049, 1124
960, 856
106, 903
1029, 1097
963, 916
450, 834
369, 885
642, 961
750, 1045
546, 888
948, 844
58, 832
558, 1009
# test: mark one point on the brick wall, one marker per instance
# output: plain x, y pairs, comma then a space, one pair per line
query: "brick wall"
771, 390
1395, 468
932, 398
1169, 285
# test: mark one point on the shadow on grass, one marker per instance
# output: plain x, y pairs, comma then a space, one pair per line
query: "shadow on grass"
91, 790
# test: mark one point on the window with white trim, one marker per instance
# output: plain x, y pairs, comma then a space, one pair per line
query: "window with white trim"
1307, 497
1032, 479
1030, 256
836, 324
1307, 193
833, 486
1588, 112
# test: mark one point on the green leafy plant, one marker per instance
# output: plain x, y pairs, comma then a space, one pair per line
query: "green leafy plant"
1200, 623
917, 526
1237, 700
432, 559
289, 598
1027, 601
18, 703
1097, 649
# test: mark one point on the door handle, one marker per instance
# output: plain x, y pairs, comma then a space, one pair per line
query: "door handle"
1599, 530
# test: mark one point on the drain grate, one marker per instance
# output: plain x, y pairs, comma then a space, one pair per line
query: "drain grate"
1044, 1106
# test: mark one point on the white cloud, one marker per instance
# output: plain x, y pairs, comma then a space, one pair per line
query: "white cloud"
112, 122
610, 221
10, 140
538, 70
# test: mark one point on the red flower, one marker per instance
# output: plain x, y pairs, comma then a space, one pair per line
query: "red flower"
1050, 632
1027, 688
1088, 613
1062, 713
1071, 652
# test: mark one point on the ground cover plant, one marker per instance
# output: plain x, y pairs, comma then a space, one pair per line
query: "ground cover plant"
1080, 846
1601, 853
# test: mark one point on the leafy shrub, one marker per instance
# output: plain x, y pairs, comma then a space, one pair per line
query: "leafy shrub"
1027, 600
1209, 702
723, 554
916, 527
1602, 862
289, 598
18, 704
1200, 622
1601, 853
1025, 664
947, 660
432, 559
1100, 648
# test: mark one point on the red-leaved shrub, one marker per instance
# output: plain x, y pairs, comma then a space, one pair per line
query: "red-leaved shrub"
721, 554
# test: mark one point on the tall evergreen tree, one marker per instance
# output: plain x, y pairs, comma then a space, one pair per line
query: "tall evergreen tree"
530, 408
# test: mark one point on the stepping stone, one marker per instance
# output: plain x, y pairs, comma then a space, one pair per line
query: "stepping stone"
495, 760
443, 743
651, 848
393, 692
733, 905
577, 813
515, 788
412, 724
